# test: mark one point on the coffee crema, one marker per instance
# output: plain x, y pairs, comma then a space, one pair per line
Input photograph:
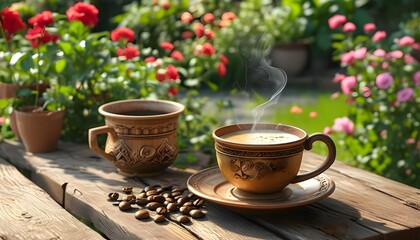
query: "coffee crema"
260, 137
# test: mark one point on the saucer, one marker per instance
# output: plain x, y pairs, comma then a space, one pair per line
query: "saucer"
210, 185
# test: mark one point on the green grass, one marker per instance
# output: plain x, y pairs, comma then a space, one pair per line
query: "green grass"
327, 110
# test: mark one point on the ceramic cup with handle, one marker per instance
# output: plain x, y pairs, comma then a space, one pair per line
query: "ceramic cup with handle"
265, 158
141, 135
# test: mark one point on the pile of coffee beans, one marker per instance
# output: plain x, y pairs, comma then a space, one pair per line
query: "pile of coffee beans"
159, 203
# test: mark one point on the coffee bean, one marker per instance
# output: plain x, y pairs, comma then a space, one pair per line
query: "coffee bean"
159, 190
170, 200
113, 196
174, 194
142, 201
159, 218
124, 205
127, 190
196, 213
151, 192
159, 198
198, 202
178, 189
148, 188
153, 205
182, 200
142, 195
150, 198
183, 219
185, 209
167, 195
191, 195
130, 198
141, 214
189, 204
172, 207
161, 210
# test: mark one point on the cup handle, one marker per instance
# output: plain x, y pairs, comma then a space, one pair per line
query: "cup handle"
93, 141
327, 162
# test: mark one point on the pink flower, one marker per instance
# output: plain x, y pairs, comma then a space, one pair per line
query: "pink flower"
405, 94
408, 59
208, 49
343, 124
161, 75
209, 33
335, 95
348, 84
224, 59
379, 36
122, 33
349, 27
384, 133
385, 65
166, 5
410, 141
336, 21
327, 130
384, 80
360, 53
199, 29
128, 52
150, 59
228, 16
339, 77
186, 17
395, 54
172, 72
406, 41
379, 53
347, 58
369, 27
416, 78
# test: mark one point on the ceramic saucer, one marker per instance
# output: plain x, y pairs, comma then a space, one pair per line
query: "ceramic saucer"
210, 185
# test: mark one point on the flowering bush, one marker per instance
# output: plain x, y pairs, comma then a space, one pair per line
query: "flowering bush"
382, 85
84, 69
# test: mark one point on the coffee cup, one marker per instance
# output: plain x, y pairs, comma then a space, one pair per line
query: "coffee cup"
141, 135
265, 158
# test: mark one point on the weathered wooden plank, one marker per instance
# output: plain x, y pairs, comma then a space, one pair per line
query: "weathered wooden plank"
28, 212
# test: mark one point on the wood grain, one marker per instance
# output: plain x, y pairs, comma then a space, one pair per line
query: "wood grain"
28, 212
363, 206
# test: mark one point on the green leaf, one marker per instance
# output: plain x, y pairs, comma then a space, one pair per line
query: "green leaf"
60, 65
212, 86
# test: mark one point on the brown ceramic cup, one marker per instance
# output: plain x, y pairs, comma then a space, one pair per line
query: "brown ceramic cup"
267, 167
141, 135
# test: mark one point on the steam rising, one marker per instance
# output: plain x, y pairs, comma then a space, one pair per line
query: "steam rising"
261, 72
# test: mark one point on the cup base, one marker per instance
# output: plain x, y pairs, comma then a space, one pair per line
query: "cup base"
285, 193
150, 174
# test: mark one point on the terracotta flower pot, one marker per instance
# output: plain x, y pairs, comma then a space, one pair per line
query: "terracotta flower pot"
39, 130
8, 90
291, 58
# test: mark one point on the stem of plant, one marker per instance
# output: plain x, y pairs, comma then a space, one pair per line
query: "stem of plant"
39, 77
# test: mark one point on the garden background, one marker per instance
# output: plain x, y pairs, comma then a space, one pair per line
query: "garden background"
358, 79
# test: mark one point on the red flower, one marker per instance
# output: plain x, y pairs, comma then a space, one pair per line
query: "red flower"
177, 55
122, 33
84, 12
167, 45
199, 30
172, 72
128, 52
161, 75
173, 91
39, 35
228, 16
224, 59
186, 17
187, 34
150, 59
42, 19
208, 49
11, 22
209, 33
221, 69
208, 17
166, 5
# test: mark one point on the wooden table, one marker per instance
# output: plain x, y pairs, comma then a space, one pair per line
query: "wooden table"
363, 205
